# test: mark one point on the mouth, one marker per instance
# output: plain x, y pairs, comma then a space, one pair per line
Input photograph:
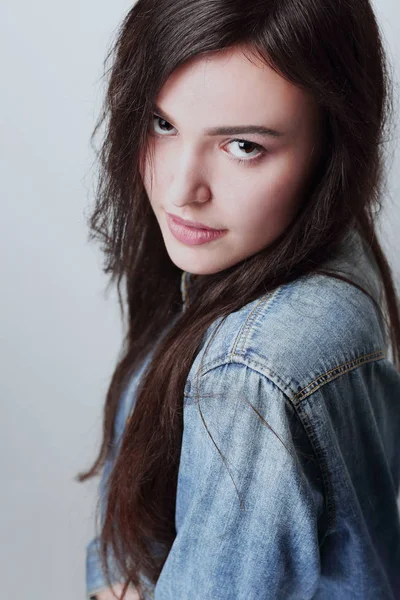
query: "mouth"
193, 224
193, 236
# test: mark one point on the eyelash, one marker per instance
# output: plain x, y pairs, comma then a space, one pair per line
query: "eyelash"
243, 161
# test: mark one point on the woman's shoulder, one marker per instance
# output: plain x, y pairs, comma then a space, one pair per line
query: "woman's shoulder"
300, 331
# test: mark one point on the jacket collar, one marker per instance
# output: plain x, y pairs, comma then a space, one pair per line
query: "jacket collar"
356, 260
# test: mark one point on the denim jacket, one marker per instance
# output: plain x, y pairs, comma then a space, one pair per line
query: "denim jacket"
289, 472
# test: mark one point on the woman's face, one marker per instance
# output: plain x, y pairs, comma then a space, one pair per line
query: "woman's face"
248, 183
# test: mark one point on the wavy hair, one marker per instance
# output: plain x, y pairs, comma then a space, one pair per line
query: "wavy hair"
334, 51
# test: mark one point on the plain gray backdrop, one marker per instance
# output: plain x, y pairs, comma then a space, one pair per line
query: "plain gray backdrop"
60, 333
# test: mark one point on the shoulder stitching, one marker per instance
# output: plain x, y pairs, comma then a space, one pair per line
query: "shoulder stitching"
336, 372
296, 402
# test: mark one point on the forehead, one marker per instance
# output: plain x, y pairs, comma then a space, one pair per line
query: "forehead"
227, 88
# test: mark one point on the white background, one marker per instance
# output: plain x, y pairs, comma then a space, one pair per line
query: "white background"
60, 334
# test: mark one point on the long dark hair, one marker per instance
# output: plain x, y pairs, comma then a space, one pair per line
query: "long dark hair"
336, 55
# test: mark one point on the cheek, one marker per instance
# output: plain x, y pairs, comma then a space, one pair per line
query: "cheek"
267, 203
264, 216
157, 175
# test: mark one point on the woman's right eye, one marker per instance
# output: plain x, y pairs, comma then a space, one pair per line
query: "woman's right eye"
162, 123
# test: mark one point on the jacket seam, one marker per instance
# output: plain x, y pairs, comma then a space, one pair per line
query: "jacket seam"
247, 327
332, 374
297, 404
323, 466
326, 483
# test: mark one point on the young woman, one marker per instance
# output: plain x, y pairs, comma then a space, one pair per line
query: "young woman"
252, 425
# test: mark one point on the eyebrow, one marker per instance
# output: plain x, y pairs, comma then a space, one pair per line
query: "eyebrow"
229, 130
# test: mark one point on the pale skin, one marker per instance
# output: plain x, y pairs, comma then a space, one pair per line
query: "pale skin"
197, 176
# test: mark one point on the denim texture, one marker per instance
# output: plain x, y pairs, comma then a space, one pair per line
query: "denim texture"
289, 472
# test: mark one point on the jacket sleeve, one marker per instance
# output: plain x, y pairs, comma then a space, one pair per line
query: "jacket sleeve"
250, 501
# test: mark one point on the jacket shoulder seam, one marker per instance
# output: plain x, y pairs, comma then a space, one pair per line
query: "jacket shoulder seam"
296, 402
308, 431
337, 371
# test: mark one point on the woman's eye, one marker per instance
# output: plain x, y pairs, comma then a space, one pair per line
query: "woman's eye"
247, 148
162, 124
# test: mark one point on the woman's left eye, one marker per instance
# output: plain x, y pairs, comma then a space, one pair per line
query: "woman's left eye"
246, 147
244, 144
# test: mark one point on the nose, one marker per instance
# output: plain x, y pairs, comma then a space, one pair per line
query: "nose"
198, 194
190, 180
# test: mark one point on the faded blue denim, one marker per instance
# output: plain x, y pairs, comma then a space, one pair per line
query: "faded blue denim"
309, 511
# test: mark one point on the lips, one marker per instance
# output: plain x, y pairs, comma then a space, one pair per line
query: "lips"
192, 223
193, 236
